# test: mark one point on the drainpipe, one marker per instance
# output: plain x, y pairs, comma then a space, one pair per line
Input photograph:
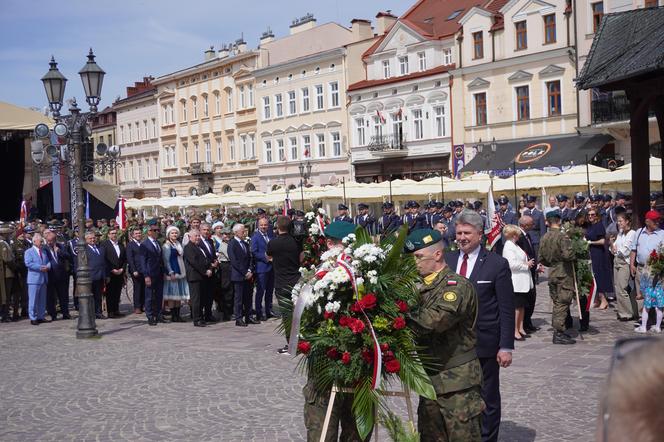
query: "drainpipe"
576, 65
451, 84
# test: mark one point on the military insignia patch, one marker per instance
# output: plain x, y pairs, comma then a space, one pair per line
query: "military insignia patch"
410, 245
427, 239
451, 282
449, 296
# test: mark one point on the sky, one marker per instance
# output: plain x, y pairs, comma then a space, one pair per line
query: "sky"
137, 38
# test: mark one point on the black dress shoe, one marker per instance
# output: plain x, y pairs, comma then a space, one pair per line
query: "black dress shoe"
521, 339
623, 319
531, 329
263, 318
240, 323
253, 321
66, 317
200, 324
34, 322
100, 316
162, 320
283, 350
54, 318
43, 321
152, 321
210, 319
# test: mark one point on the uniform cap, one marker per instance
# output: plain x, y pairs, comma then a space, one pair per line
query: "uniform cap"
339, 229
388, 205
342, 207
421, 238
654, 196
299, 213
606, 198
561, 197
260, 211
440, 204
503, 200
620, 195
596, 198
579, 197
531, 199
362, 206
447, 209
291, 212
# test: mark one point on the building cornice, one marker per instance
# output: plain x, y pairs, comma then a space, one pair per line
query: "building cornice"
512, 61
208, 64
291, 64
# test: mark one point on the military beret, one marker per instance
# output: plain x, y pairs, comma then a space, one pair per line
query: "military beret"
339, 229
503, 200
388, 205
531, 199
655, 195
606, 198
554, 214
421, 238
561, 197
342, 207
362, 206
153, 222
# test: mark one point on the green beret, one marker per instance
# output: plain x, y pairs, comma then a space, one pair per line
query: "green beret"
421, 238
554, 214
339, 229
153, 222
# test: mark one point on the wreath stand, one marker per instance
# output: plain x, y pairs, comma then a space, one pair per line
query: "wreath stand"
333, 394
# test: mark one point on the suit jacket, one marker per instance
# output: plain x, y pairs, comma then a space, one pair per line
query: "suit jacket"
150, 262
34, 262
133, 255
492, 280
522, 279
96, 262
72, 255
258, 249
344, 219
526, 244
210, 250
196, 263
113, 261
240, 260
539, 227
59, 263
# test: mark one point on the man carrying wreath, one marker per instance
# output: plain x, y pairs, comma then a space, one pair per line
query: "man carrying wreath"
445, 323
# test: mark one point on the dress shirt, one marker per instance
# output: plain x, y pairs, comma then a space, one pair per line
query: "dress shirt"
645, 242
624, 243
155, 244
116, 247
242, 244
53, 254
472, 258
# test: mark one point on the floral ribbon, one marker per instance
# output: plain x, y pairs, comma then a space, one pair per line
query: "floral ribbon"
298, 309
321, 224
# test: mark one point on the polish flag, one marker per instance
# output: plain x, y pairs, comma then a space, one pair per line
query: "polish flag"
121, 213
380, 117
593, 292
496, 224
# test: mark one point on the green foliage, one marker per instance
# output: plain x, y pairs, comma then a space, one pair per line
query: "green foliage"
582, 265
395, 428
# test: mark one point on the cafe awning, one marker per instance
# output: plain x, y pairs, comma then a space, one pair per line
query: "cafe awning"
538, 153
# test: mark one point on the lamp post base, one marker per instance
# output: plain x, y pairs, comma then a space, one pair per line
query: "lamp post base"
86, 320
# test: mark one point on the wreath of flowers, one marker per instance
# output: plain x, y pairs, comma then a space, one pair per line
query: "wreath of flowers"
314, 243
582, 264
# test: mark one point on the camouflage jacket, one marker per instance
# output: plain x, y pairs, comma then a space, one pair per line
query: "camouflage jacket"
555, 252
445, 326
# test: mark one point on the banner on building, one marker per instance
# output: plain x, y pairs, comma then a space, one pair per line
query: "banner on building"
458, 160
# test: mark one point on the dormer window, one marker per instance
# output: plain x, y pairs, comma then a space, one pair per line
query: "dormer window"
403, 65
386, 69
478, 45
521, 35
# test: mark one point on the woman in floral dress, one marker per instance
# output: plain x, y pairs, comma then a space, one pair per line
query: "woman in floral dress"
653, 297
176, 289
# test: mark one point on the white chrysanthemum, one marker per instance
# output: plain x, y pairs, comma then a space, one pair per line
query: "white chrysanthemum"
359, 281
331, 254
314, 229
309, 215
333, 306
321, 211
320, 310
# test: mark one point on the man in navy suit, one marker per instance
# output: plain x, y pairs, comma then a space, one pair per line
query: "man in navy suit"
264, 271
207, 288
491, 276
133, 256
539, 223
116, 262
97, 267
242, 273
152, 269
58, 278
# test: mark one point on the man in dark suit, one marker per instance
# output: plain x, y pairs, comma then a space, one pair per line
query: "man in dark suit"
137, 278
242, 273
97, 267
198, 269
526, 243
72, 257
116, 261
208, 247
264, 272
538, 222
491, 277
152, 269
57, 289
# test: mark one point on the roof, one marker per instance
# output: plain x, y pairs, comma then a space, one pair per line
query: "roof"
13, 117
370, 83
613, 58
146, 93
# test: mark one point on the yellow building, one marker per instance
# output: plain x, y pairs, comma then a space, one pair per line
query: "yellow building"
103, 131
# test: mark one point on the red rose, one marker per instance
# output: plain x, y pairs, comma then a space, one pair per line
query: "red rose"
384, 347
357, 326
321, 273
344, 321
345, 358
328, 315
399, 323
392, 366
388, 355
403, 306
333, 353
367, 355
321, 241
368, 301
303, 347
653, 254
356, 307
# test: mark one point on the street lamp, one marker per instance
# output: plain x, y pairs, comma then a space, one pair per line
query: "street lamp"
72, 132
493, 146
305, 174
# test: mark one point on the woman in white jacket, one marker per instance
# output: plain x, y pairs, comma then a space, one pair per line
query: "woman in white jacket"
521, 277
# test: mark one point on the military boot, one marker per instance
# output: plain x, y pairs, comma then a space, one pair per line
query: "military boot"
562, 338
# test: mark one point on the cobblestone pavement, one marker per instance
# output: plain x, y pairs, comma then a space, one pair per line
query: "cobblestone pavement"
175, 382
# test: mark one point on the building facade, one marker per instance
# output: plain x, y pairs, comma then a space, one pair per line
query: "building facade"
103, 126
207, 123
138, 138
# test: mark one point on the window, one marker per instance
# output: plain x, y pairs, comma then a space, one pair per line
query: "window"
305, 99
138, 132
422, 59
183, 103
171, 113
306, 146
480, 109
250, 88
129, 131
377, 126
521, 35
553, 98
147, 168
156, 168
334, 94
417, 124
145, 130
122, 137
229, 100
185, 148
336, 144
266, 108
243, 104
447, 56
279, 106
319, 97
245, 147
598, 13
194, 105
386, 68
217, 103
268, 151
252, 146
280, 150
165, 115
359, 127
231, 149
131, 170
110, 139
174, 158
321, 145
549, 28
439, 120
522, 103
478, 45
139, 170
206, 107
208, 152
197, 157
218, 142
291, 103
154, 130
651, 3
403, 65
293, 147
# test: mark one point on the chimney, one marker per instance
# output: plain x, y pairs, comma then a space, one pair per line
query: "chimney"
209, 54
223, 52
267, 37
384, 20
361, 29
240, 45
302, 24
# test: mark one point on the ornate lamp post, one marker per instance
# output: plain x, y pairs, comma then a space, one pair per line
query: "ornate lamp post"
305, 174
72, 133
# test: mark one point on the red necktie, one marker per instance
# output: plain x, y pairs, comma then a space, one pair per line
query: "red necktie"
464, 265
41, 258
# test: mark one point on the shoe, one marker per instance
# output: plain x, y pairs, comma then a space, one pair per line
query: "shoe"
253, 321
584, 328
270, 316
210, 319
152, 321
531, 329
54, 318
162, 320
520, 339
640, 329
200, 324
283, 350
563, 339
43, 321
34, 322
137, 311
240, 323
621, 319
66, 317
655, 329
262, 318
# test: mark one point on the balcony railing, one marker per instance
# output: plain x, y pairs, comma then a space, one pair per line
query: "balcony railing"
388, 145
611, 108
201, 168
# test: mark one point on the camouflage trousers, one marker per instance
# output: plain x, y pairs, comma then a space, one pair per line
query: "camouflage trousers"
453, 417
315, 407
561, 295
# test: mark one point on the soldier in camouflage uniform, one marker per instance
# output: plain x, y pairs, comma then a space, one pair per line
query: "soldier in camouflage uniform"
555, 252
20, 294
445, 326
6, 271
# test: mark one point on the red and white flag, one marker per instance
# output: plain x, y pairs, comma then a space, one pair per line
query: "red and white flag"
121, 213
593, 292
23, 217
381, 118
287, 206
496, 224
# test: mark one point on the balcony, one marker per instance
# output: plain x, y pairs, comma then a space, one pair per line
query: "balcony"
388, 146
201, 168
610, 108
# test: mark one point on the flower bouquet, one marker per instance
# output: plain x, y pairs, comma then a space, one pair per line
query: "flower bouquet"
350, 313
582, 265
654, 269
314, 243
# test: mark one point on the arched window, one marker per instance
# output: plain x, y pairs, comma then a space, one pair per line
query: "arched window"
226, 189
249, 187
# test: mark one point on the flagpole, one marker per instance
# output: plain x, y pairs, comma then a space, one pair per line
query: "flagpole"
391, 188
343, 183
516, 199
576, 291
588, 175
442, 185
